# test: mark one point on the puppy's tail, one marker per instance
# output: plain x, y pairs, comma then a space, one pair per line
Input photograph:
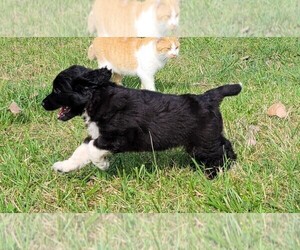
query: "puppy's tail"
218, 94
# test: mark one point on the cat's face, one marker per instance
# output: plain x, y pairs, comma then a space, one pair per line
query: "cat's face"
168, 13
168, 47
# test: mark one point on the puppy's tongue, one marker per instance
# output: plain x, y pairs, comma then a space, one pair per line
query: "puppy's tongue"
62, 112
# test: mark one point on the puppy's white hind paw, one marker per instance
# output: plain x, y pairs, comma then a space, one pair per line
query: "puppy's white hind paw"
103, 165
64, 166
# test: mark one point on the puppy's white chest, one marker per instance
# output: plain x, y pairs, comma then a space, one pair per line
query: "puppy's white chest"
92, 128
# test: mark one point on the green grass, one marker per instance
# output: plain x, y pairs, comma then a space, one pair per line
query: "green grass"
150, 231
235, 18
264, 179
41, 18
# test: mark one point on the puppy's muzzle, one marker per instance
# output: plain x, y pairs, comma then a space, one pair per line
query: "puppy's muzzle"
46, 105
49, 105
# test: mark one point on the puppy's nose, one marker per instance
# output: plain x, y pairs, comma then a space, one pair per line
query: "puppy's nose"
44, 104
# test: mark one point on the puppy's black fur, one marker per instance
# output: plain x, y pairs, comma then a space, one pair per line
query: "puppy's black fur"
140, 120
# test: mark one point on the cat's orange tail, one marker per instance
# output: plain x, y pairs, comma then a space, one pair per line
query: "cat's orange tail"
91, 53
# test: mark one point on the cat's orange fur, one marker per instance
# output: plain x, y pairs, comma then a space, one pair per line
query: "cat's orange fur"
121, 53
117, 18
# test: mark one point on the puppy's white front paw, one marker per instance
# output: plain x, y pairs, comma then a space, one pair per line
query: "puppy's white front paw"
103, 165
64, 166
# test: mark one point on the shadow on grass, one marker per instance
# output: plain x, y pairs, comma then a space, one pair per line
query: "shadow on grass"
161, 86
127, 163
19, 119
136, 165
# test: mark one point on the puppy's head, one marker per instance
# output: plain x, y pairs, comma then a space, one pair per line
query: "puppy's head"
73, 88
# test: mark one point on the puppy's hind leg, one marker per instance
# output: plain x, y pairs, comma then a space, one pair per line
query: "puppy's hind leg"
78, 160
210, 166
215, 157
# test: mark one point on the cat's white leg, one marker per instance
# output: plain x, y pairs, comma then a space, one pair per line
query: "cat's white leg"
147, 81
78, 160
98, 156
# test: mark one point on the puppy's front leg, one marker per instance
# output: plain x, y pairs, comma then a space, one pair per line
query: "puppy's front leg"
98, 156
78, 160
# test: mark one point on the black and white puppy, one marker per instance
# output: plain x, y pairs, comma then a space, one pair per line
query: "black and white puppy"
120, 119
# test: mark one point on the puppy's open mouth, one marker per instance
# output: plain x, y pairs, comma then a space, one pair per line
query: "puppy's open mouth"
62, 112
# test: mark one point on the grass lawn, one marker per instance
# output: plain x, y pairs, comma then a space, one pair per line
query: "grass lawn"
264, 179
232, 18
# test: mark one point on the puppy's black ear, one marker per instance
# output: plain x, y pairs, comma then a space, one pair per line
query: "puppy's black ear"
105, 74
92, 79
96, 77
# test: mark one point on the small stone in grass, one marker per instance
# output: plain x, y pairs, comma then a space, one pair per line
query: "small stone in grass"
14, 108
277, 109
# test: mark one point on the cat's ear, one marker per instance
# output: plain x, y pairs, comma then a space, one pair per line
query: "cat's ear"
161, 42
158, 3
162, 45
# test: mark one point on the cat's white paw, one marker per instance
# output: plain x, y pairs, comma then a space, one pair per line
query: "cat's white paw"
64, 166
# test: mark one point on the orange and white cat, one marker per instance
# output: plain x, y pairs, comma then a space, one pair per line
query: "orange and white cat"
134, 56
133, 18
